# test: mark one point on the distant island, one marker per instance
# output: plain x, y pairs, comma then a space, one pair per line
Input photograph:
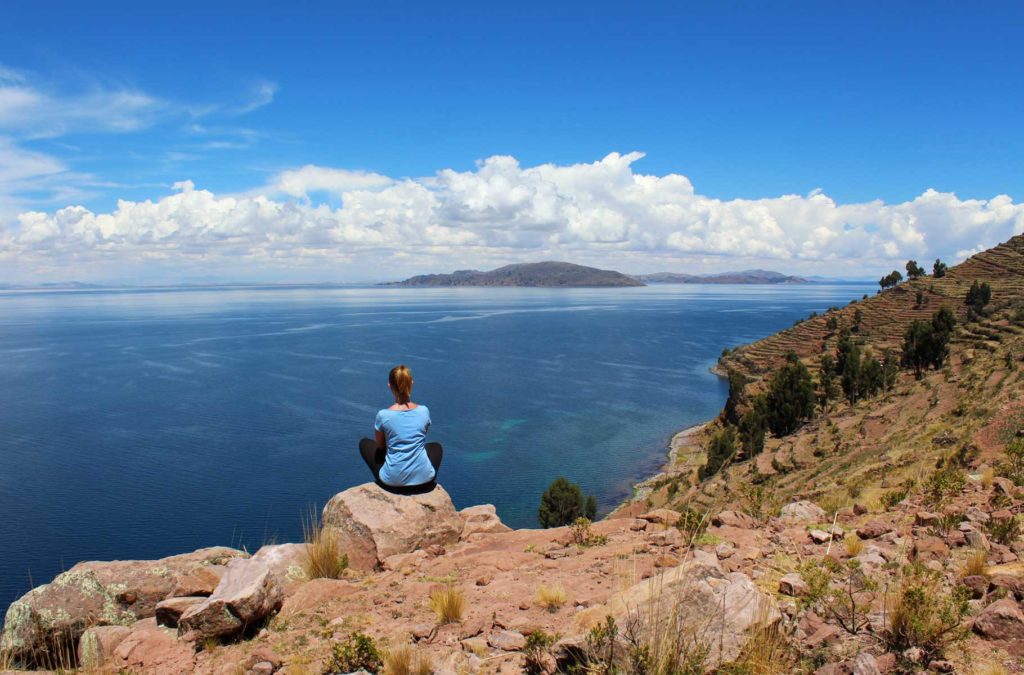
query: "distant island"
548, 274
744, 277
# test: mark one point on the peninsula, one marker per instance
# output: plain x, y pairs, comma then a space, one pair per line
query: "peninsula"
548, 274
743, 277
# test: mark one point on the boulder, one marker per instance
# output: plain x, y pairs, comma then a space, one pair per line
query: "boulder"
793, 584
373, 524
803, 512
667, 537
153, 650
734, 519
507, 641
97, 644
929, 548
1002, 620
169, 611
200, 581
284, 560
662, 516
873, 529
481, 518
698, 598
248, 594
52, 617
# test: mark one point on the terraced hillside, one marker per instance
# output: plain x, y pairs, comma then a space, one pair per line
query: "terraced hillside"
884, 317
929, 472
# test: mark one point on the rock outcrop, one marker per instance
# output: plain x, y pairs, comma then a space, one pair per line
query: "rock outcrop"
802, 512
52, 617
247, 594
699, 600
373, 524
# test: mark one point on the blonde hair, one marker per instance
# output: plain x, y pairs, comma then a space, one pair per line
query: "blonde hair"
400, 379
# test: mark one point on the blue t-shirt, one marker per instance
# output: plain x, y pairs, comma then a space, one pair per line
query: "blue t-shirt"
406, 462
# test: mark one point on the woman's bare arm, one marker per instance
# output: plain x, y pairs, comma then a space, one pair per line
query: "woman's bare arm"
381, 441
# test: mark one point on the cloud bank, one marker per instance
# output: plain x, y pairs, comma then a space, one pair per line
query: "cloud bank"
604, 212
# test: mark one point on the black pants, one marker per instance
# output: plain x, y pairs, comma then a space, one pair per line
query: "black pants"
374, 458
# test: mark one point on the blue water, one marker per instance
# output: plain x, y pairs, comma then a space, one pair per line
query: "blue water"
142, 424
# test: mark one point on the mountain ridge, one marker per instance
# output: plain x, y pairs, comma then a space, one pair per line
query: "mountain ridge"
546, 274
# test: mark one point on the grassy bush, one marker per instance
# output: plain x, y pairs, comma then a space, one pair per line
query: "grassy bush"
768, 651
404, 661
551, 598
854, 546
692, 523
976, 563
448, 604
643, 646
356, 652
894, 497
582, 534
922, 615
322, 558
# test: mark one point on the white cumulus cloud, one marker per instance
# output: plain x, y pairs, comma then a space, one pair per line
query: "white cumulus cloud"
603, 212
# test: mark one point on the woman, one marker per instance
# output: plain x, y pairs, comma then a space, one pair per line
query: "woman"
398, 457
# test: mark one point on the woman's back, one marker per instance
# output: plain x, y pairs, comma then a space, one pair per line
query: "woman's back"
405, 431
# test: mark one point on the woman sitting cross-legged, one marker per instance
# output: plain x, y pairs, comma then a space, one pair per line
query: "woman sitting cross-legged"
398, 457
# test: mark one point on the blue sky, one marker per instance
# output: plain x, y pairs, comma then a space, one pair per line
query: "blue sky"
101, 102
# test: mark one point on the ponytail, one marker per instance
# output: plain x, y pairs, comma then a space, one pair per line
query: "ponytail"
400, 379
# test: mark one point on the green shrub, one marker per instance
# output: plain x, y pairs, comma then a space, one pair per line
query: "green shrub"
582, 534
946, 482
1004, 530
926, 344
538, 645
356, 652
923, 615
1012, 466
790, 399
692, 523
721, 449
752, 429
849, 602
563, 502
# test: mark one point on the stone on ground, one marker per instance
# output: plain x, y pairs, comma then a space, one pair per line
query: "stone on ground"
803, 512
698, 598
481, 518
248, 594
373, 524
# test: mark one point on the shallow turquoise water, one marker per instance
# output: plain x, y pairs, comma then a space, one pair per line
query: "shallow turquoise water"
136, 425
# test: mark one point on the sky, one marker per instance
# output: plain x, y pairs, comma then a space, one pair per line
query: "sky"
351, 141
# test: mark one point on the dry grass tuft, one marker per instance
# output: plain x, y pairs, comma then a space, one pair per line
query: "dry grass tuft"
976, 564
448, 604
552, 597
322, 558
404, 661
767, 652
991, 668
988, 477
854, 545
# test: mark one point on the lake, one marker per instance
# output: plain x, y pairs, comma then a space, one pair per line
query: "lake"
143, 424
